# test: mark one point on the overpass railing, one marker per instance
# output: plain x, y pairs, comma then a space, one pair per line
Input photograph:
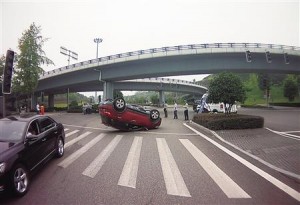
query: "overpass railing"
167, 81
174, 50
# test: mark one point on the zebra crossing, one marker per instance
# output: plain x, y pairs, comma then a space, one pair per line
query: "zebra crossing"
174, 182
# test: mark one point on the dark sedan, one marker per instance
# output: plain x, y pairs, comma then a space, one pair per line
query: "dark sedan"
25, 143
127, 117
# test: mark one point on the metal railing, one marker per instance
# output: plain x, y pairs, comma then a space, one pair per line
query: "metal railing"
166, 81
192, 47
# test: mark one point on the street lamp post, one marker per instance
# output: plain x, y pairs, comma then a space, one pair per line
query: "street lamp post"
97, 40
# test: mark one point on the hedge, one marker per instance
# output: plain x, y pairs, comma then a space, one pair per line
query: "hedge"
228, 122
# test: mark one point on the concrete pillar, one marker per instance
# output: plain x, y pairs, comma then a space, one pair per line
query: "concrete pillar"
108, 90
34, 101
161, 98
51, 100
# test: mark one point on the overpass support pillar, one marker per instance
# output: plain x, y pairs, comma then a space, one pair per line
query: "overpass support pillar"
108, 90
161, 98
51, 100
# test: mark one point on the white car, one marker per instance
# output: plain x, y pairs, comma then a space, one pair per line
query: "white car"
216, 107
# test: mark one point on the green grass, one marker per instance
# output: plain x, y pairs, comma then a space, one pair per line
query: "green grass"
256, 96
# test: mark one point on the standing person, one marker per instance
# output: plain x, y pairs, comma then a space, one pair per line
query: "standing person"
186, 111
38, 108
165, 109
175, 111
42, 109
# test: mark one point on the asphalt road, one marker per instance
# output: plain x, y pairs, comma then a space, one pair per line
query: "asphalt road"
179, 163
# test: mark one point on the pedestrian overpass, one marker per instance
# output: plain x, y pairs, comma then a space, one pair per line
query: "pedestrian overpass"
171, 61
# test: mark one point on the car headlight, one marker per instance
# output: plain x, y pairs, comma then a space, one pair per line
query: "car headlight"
2, 167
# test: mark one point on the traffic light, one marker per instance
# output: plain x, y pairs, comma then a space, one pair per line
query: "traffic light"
248, 56
268, 57
7, 72
286, 58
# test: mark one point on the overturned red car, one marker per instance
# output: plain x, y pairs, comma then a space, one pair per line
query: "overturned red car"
127, 117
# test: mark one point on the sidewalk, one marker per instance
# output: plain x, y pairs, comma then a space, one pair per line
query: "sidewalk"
279, 151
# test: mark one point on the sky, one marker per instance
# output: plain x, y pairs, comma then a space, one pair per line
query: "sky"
130, 25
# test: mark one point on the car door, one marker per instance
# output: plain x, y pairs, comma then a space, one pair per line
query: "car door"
49, 134
33, 152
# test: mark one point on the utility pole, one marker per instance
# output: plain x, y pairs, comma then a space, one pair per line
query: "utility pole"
68, 53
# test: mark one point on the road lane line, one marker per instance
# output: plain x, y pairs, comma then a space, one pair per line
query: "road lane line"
70, 159
228, 186
293, 193
80, 137
98, 162
71, 133
66, 129
130, 169
284, 134
173, 179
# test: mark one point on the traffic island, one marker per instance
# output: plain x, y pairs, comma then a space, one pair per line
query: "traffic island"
222, 121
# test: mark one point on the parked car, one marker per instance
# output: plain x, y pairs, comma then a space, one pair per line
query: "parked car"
116, 113
26, 142
86, 108
216, 107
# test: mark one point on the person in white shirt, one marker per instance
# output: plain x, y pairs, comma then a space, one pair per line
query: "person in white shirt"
186, 111
175, 111
37, 108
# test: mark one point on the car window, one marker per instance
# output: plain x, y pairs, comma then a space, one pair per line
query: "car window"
46, 124
33, 128
11, 131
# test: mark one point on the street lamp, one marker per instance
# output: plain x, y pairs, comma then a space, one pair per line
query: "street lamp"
97, 40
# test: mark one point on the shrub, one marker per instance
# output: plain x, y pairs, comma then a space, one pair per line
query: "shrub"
227, 122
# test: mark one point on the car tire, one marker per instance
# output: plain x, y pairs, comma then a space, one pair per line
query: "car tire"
119, 104
19, 180
154, 114
60, 150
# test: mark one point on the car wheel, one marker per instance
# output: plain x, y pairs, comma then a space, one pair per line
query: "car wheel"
119, 104
60, 150
19, 180
154, 114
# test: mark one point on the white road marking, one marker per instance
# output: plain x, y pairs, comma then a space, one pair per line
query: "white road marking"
285, 134
66, 129
71, 133
258, 159
70, 159
173, 179
293, 193
80, 137
94, 128
228, 186
98, 162
130, 169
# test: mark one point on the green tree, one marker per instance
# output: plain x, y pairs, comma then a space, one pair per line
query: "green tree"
290, 87
117, 94
2, 63
227, 88
29, 60
154, 99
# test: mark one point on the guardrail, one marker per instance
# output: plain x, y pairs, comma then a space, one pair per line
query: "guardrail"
165, 50
166, 81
